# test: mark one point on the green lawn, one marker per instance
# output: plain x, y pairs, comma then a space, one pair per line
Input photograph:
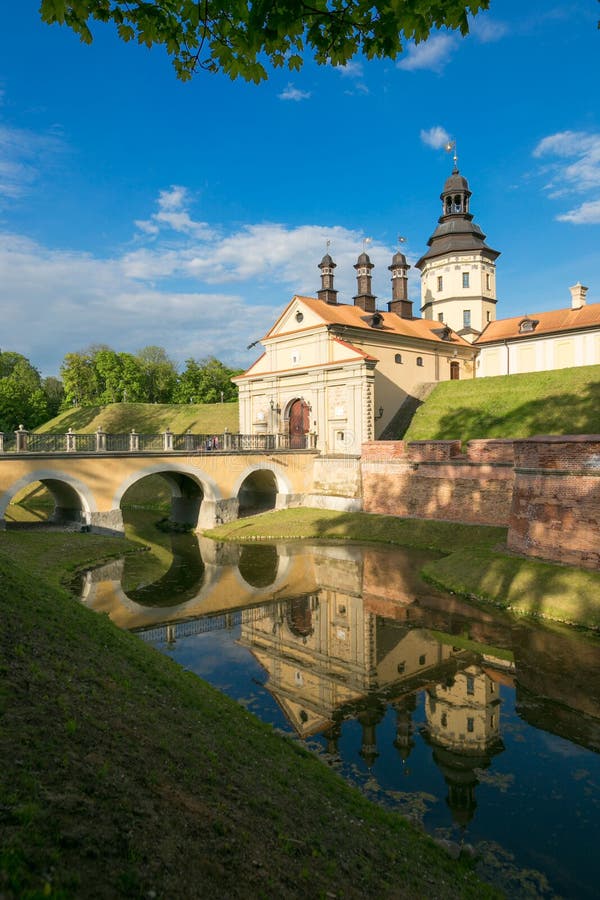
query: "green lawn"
147, 418
516, 406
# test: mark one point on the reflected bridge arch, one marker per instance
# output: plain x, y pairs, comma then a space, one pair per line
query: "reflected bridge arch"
74, 502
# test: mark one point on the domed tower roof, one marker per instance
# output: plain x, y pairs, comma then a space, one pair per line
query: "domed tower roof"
363, 260
398, 259
456, 232
327, 262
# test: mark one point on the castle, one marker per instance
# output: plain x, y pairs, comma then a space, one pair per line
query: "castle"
342, 372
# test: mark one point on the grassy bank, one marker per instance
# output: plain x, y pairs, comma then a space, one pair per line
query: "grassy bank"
124, 775
566, 401
147, 418
474, 566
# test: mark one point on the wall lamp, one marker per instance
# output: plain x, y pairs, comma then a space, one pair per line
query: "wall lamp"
274, 406
380, 413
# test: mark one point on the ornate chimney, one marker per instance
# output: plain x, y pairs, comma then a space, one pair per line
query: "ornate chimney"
364, 298
578, 292
400, 304
327, 292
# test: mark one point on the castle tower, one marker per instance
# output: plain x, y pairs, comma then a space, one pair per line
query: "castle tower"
458, 271
327, 292
400, 304
364, 298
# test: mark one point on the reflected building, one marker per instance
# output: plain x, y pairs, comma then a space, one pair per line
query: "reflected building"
463, 726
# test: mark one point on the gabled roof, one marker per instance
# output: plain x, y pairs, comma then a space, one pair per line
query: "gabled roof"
354, 317
552, 322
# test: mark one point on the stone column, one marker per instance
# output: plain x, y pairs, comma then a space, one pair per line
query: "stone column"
168, 441
134, 441
100, 440
21, 435
70, 441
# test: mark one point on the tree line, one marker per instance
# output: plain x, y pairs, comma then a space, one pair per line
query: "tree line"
100, 375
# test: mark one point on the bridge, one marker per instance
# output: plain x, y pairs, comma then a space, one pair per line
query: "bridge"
212, 478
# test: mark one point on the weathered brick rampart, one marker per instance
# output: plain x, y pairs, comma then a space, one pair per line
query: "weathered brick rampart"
555, 511
435, 480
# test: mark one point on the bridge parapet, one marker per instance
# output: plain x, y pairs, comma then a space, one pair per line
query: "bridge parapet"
25, 441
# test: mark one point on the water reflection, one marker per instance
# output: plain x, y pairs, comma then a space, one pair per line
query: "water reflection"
484, 727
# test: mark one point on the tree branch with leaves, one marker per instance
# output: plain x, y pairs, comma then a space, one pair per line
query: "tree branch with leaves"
241, 38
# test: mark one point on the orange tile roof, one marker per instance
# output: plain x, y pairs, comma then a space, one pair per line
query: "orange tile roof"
354, 317
555, 320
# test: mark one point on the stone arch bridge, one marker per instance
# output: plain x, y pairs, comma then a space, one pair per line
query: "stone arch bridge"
207, 488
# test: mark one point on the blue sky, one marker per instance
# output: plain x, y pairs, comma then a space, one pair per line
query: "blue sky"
136, 210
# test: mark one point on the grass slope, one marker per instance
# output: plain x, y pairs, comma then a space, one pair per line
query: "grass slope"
474, 566
125, 776
146, 418
561, 402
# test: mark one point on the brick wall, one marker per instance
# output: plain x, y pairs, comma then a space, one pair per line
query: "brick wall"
555, 511
435, 480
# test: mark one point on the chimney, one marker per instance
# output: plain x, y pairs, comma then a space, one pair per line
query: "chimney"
327, 292
364, 298
400, 304
578, 292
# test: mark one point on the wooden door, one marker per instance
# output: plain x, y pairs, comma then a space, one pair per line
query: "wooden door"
299, 424
454, 371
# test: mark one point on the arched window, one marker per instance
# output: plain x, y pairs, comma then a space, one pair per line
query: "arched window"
419, 360
398, 358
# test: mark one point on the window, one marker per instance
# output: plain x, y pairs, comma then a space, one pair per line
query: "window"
466, 318
470, 684
401, 667
470, 725
488, 316
440, 283
465, 279
422, 659
440, 317
299, 316
488, 282
398, 358
527, 325
419, 360
444, 720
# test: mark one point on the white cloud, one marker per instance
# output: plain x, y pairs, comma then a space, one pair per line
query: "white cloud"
173, 213
21, 152
487, 30
434, 53
573, 168
293, 93
352, 69
436, 137
586, 214
174, 290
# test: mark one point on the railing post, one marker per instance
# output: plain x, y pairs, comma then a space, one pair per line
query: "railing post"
21, 436
1, 442
134, 441
226, 440
168, 440
188, 441
100, 440
70, 439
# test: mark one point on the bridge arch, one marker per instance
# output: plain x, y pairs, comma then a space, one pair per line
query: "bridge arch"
74, 502
260, 487
195, 496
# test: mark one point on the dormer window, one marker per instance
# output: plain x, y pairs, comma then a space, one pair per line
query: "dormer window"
526, 326
376, 320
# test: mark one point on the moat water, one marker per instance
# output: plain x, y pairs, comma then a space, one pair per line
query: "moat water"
482, 728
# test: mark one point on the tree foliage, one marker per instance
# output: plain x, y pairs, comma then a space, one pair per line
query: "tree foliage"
240, 38
23, 400
99, 375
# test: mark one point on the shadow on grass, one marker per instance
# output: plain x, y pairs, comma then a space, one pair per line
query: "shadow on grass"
567, 413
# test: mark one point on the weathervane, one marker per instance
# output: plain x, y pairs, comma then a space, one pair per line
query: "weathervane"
401, 239
449, 147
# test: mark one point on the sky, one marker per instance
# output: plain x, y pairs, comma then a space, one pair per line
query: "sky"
138, 210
